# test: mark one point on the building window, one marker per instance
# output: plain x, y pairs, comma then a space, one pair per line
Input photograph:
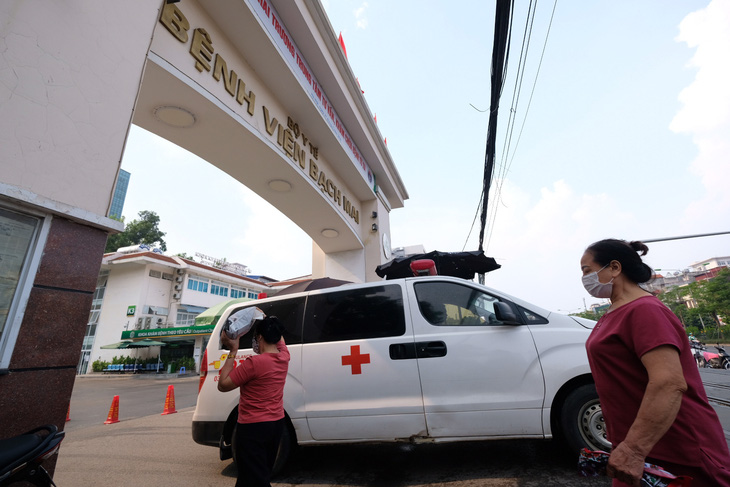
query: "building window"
166, 276
237, 292
21, 237
120, 194
253, 295
156, 274
91, 325
196, 283
219, 288
185, 319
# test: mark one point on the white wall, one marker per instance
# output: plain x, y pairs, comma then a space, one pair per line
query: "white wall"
67, 101
122, 290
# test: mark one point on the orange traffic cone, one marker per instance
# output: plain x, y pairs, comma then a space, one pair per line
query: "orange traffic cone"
113, 416
68, 413
170, 400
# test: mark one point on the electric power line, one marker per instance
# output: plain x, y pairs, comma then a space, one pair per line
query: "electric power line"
497, 55
524, 120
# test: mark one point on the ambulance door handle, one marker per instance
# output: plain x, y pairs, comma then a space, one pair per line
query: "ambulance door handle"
402, 351
431, 349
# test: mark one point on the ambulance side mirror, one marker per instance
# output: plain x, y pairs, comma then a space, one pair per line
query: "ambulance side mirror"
504, 313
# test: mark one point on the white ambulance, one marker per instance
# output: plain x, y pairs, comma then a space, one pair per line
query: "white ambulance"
419, 359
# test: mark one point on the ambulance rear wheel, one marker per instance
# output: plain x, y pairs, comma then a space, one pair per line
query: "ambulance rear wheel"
283, 452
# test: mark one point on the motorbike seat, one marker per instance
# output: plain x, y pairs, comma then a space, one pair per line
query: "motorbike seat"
14, 450
19, 449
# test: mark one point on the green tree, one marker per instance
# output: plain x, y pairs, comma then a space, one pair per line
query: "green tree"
674, 299
591, 315
712, 298
714, 295
146, 230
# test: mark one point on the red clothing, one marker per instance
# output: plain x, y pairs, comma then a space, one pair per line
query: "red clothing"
615, 348
261, 379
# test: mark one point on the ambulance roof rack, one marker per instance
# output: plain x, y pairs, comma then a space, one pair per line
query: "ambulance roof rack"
456, 264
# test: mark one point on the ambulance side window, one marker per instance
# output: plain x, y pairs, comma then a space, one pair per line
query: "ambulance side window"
451, 304
371, 312
289, 312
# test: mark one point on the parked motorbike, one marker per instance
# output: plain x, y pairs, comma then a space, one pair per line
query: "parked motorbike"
719, 360
22, 456
697, 349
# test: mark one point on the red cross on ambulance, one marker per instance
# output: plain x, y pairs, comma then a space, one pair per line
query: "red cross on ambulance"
355, 359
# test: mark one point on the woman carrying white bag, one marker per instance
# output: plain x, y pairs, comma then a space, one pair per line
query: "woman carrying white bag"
261, 378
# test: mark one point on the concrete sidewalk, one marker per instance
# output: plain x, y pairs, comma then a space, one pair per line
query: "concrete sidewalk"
152, 450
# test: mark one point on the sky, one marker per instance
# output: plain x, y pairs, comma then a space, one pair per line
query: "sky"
622, 132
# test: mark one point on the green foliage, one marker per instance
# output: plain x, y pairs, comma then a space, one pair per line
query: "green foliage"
183, 255
713, 304
187, 362
99, 365
590, 315
714, 296
145, 230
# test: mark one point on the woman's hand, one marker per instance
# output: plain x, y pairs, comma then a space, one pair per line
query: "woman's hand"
229, 343
626, 465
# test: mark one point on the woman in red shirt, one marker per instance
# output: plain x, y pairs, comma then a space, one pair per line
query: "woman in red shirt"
261, 378
651, 393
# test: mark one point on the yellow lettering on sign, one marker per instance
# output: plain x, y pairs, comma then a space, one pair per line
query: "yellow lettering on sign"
293, 126
220, 69
322, 182
300, 155
269, 124
175, 22
313, 169
250, 99
287, 142
202, 49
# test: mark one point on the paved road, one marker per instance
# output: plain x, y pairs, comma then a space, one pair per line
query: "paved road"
146, 448
139, 396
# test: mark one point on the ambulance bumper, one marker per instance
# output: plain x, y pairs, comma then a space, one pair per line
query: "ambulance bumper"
207, 432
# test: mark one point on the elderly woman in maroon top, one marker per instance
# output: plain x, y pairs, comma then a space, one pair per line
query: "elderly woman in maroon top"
261, 378
651, 392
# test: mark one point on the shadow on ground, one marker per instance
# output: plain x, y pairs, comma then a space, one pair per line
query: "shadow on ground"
494, 463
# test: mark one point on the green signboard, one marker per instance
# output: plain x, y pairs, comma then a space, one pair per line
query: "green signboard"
131, 310
180, 331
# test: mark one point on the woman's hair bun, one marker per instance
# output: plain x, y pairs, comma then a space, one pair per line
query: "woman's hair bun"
639, 247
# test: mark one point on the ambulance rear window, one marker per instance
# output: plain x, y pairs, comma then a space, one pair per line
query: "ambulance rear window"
289, 312
371, 312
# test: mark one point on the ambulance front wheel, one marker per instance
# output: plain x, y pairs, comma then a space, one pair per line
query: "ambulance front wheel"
284, 451
582, 422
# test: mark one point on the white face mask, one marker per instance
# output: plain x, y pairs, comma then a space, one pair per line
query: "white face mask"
596, 288
255, 345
